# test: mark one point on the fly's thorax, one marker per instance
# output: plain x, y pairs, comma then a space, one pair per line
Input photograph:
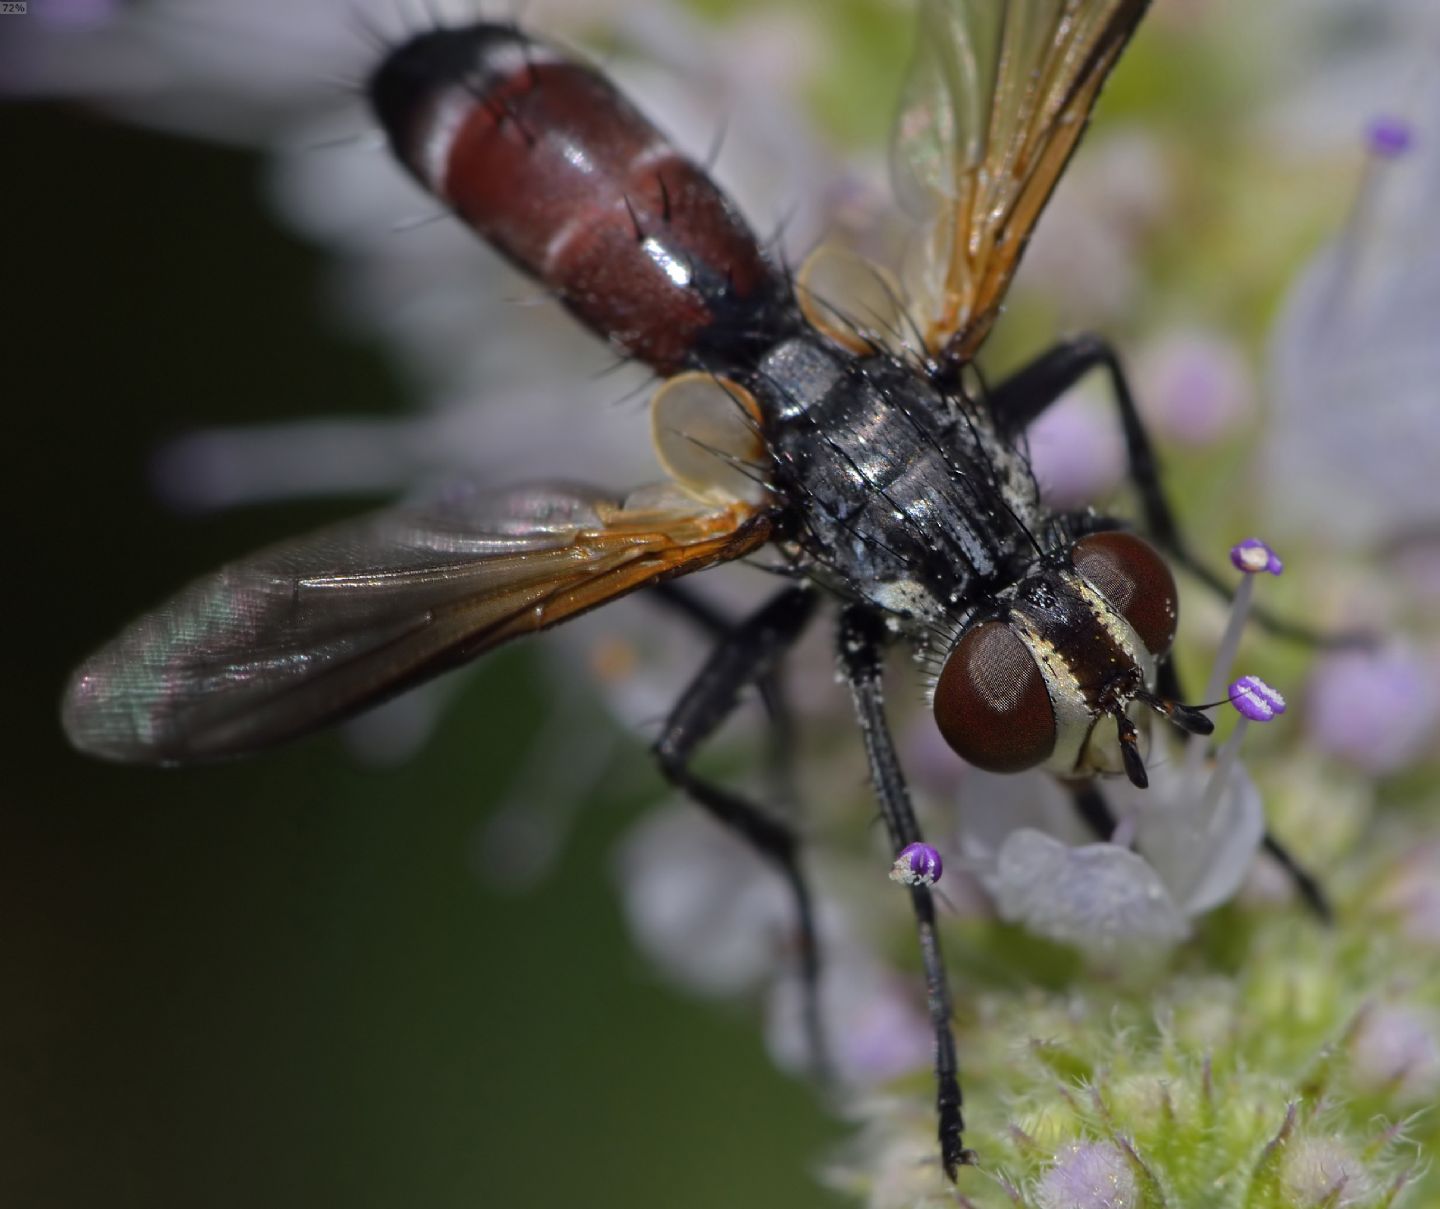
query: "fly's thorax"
1073, 643
902, 496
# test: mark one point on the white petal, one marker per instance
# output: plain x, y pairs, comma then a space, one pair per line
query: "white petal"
1201, 858
992, 807
700, 903
1097, 897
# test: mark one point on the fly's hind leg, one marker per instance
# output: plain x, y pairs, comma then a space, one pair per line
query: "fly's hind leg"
1023, 396
683, 601
746, 655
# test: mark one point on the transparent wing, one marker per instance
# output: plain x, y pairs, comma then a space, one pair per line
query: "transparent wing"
998, 96
320, 627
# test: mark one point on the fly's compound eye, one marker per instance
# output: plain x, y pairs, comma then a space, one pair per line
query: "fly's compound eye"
990, 701
1132, 576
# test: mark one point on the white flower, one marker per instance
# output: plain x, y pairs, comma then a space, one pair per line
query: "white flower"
1099, 897
701, 903
1047, 873
717, 918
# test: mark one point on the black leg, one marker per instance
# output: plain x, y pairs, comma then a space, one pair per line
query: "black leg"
744, 656
780, 738
1092, 808
1023, 396
862, 640
1311, 892
679, 598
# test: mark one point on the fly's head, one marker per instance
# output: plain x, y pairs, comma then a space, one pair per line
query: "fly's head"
1050, 680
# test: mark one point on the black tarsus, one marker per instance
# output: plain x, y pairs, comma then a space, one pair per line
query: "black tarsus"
747, 654
862, 641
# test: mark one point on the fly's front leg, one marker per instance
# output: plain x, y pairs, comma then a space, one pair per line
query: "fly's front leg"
1016, 403
1022, 397
747, 655
1020, 400
862, 642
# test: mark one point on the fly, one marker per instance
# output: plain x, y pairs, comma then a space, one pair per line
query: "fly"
870, 465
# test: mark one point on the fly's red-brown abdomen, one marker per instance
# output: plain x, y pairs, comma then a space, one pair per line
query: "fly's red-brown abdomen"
547, 161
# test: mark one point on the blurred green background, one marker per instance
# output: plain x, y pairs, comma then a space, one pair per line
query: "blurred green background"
278, 982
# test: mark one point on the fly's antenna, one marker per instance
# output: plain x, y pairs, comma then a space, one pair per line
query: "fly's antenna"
1187, 717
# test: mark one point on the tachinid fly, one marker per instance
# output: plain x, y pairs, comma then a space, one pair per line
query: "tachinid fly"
870, 467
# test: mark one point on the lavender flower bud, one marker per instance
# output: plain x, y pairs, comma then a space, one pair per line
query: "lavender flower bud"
917, 865
1253, 556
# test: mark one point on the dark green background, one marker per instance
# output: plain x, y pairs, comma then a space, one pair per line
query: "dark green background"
277, 983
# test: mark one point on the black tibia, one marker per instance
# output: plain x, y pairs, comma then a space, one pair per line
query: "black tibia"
681, 599
862, 642
745, 655
1023, 396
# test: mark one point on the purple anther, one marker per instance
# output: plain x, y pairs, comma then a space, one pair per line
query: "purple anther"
1253, 556
917, 865
1390, 136
1256, 700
